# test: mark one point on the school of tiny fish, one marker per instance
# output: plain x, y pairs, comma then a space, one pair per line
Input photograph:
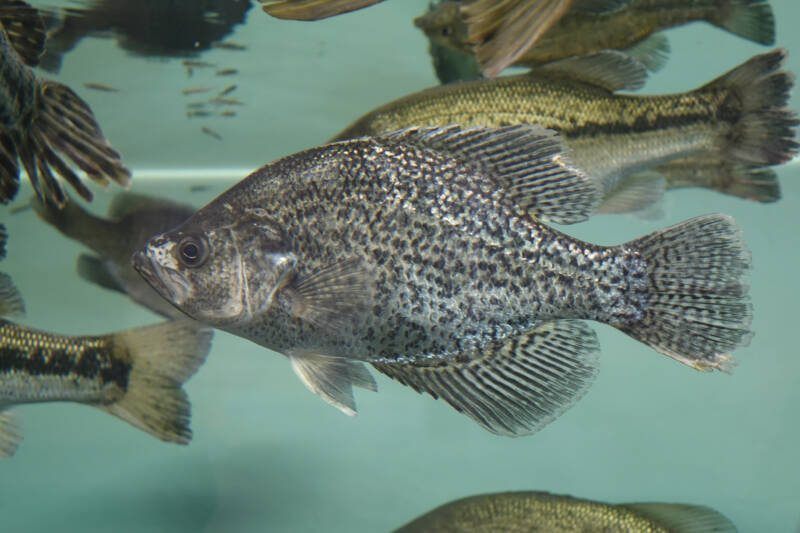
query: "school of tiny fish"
428, 240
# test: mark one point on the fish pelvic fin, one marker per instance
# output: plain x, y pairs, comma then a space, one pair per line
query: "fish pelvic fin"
332, 378
65, 126
750, 19
10, 433
25, 28
163, 357
682, 518
761, 129
696, 308
516, 387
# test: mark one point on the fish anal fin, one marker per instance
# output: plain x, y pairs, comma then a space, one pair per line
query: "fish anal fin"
516, 387
10, 433
25, 29
682, 518
332, 378
634, 193
609, 69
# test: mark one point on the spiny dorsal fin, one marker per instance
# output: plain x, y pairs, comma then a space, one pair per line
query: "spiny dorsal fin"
683, 518
529, 162
610, 69
652, 52
514, 388
25, 29
599, 6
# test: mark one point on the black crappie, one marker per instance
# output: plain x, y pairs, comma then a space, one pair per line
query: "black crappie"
423, 252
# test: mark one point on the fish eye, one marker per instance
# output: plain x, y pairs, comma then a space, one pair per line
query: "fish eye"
447, 31
192, 252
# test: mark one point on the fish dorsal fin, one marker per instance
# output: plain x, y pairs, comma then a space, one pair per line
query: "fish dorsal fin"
514, 388
610, 69
10, 433
634, 193
25, 29
11, 302
599, 6
332, 378
528, 162
652, 52
127, 203
683, 518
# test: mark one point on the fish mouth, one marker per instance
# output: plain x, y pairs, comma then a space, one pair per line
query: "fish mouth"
167, 282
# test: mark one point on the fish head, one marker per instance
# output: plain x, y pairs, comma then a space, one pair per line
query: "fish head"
219, 270
443, 25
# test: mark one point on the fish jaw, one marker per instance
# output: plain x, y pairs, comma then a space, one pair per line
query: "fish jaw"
167, 281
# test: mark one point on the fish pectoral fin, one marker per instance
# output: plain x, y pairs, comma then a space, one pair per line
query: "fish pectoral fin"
635, 193
11, 302
652, 52
514, 388
527, 161
332, 378
26, 30
682, 518
599, 6
10, 433
333, 296
94, 270
608, 69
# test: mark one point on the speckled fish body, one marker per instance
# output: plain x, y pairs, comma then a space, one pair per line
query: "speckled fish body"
740, 117
423, 249
519, 512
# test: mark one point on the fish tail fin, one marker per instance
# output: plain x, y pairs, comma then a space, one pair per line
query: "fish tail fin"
750, 19
696, 307
64, 125
10, 433
761, 129
163, 357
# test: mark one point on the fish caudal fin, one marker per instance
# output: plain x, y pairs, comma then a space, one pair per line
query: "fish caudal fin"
750, 19
761, 129
332, 378
10, 433
163, 357
696, 308
514, 388
64, 125
682, 518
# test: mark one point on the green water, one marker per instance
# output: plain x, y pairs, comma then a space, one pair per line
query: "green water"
268, 455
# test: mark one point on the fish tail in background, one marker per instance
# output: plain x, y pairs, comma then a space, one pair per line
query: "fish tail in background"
75, 222
514, 388
750, 19
762, 130
696, 307
64, 123
163, 357
10, 433
758, 184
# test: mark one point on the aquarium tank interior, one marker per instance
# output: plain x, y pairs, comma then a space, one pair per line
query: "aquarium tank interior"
191, 114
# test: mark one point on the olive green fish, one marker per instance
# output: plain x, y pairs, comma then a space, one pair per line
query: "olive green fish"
424, 253
313, 9
594, 25
131, 219
530, 511
42, 120
135, 374
740, 118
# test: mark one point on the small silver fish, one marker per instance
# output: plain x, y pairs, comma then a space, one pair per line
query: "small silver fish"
229, 45
100, 87
424, 253
226, 91
195, 90
211, 133
197, 64
227, 72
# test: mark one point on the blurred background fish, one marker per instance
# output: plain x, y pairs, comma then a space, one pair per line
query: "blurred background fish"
131, 219
135, 374
531, 511
151, 28
594, 25
40, 119
621, 140
312, 9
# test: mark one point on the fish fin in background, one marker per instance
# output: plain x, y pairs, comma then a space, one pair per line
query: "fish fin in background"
332, 378
25, 28
11, 302
514, 388
750, 19
452, 65
94, 270
502, 30
331, 297
599, 6
636, 192
126, 203
163, 356
610, 69
762, 130
312, 9
682, 518
64, 123
10, 433
652, 52
696, 307
529, 162
758, 184
9, 168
